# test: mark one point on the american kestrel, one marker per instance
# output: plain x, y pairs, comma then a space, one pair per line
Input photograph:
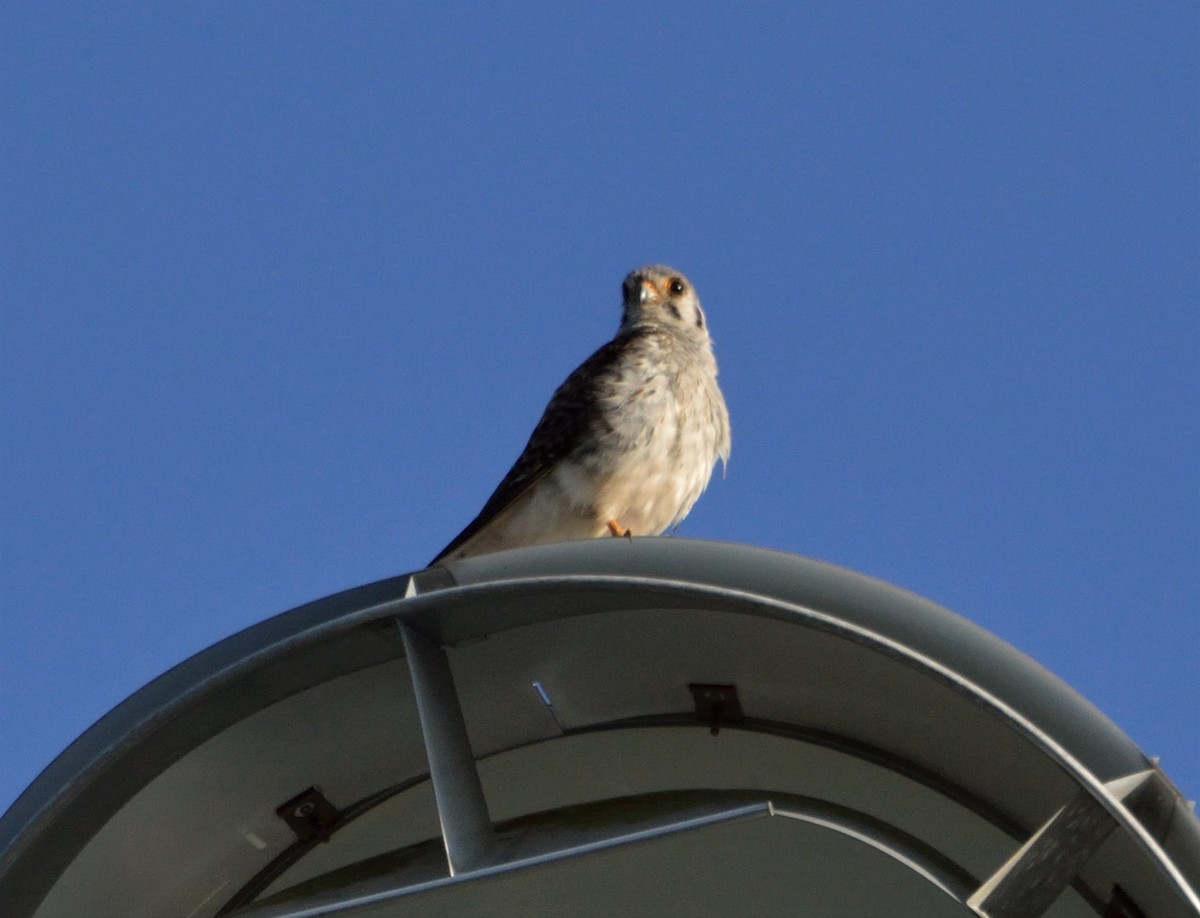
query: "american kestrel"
628, 442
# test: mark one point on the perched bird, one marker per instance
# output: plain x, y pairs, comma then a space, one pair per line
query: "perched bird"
628, 442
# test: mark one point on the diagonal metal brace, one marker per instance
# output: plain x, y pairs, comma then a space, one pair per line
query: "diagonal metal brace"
1027, 885
467, 830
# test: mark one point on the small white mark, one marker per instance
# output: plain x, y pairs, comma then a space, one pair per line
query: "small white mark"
256, 841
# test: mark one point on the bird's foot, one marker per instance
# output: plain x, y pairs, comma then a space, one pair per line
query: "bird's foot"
618, 530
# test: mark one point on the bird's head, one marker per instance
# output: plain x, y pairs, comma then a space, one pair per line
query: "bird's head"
662, 297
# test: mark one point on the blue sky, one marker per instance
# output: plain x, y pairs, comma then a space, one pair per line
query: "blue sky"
285, 287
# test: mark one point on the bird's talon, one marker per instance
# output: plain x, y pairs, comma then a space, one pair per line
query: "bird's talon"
618, 530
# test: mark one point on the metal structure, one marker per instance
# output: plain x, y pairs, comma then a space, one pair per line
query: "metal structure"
651, 727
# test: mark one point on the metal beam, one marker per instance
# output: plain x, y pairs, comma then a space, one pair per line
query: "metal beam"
1029, 882
467, 830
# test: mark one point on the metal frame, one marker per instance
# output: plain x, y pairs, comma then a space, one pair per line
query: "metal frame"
42, 829
743, 602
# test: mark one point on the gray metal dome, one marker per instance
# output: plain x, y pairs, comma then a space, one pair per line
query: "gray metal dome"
639, 728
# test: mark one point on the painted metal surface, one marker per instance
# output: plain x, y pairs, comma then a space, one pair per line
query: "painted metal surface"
865, 699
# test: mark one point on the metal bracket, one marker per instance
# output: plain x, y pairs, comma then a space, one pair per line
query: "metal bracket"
716, 705
310, 815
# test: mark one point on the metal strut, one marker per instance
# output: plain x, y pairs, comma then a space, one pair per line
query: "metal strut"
462, 810
1028, 884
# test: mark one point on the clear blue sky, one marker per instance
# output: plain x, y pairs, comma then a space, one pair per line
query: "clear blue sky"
285, 287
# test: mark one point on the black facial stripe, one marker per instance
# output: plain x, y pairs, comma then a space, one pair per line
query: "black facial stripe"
699, 319
674, 310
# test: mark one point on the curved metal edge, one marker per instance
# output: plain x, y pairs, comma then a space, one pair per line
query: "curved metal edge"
711, 807
1073, 767
358, 898
884, 608
159, 705
736, 601
157, 717
949, 875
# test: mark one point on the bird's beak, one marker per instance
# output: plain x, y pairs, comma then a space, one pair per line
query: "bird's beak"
648, 291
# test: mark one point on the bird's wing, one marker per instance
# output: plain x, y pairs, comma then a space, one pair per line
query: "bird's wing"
565, 423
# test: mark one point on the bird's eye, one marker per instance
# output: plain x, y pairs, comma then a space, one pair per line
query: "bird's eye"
676, 287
